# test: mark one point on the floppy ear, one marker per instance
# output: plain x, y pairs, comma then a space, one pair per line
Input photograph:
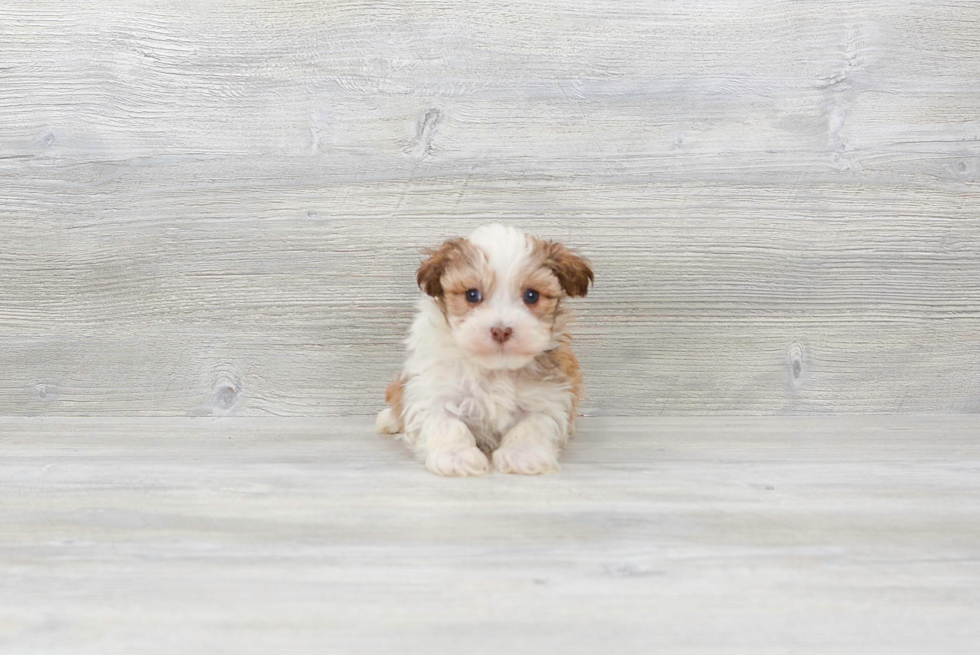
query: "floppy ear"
431, 270
573, 271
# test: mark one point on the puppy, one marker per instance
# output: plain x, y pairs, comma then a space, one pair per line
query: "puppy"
490, 369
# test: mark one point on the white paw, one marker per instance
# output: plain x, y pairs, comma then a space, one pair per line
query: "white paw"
458, 462
525, 461
387, 422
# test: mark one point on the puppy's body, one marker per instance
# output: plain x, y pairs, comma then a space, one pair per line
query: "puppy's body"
490, 369
438, 377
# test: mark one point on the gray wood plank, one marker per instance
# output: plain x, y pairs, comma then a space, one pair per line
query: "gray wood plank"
742, 535
216, 207
691, 314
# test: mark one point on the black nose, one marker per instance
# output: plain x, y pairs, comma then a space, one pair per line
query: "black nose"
501, 334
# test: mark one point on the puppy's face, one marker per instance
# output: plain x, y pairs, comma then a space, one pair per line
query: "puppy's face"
501, 291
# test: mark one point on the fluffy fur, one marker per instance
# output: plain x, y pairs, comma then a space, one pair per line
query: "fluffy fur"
492, 379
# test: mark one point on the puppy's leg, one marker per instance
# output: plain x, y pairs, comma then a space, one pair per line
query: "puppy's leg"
449, 448
390, 420
531, 447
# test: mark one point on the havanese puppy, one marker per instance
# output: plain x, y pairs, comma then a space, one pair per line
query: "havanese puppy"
490, 369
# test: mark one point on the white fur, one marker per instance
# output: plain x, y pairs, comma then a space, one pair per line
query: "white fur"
458, 404
506, 247
531, 446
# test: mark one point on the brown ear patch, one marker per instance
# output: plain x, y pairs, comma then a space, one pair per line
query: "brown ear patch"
430, 271
573, 271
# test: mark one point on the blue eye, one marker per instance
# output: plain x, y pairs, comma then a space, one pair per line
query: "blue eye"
474, 296
531, 296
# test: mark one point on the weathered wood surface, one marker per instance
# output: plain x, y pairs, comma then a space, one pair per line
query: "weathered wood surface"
735, 535
216, 207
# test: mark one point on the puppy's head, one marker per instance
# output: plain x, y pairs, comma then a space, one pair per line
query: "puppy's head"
501, 291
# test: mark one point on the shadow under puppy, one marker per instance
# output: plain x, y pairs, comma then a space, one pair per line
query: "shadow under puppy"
490, 369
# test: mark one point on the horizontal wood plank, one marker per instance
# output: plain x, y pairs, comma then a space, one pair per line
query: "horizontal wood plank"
742, 535
763, 306
218, 207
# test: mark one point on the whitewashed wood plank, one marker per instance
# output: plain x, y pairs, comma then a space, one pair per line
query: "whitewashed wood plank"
230, 195
134, 80
745, 535
696, 310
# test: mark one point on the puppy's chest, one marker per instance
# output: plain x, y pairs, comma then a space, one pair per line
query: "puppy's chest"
489, 405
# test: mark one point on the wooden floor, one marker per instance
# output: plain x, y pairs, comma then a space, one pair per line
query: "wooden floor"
738, 535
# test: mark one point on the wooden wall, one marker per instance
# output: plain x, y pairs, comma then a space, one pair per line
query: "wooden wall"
216, 207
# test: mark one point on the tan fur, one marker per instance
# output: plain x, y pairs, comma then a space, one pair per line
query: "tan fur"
566, 362
544, 281
452, 253
394, 396
462, 274
573, 271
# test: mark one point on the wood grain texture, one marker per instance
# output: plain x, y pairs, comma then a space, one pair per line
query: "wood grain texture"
216, 208
736, 535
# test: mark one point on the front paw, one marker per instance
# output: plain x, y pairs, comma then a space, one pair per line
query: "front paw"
458, 462
525, 461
